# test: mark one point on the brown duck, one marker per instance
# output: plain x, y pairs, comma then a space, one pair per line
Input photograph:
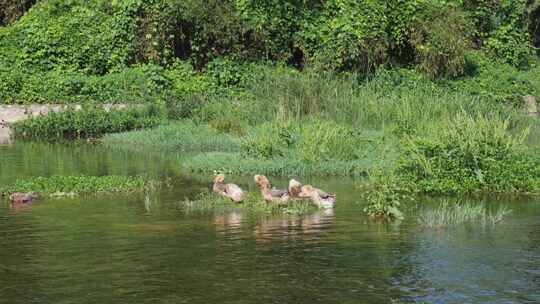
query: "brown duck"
270, 194
319, 197
19, 197
232, 191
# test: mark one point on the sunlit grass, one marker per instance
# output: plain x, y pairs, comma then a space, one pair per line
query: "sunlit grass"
181, 136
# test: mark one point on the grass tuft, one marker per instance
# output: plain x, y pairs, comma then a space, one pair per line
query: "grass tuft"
253, 204
454, 214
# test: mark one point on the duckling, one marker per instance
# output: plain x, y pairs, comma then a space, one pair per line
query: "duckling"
232, 191
270, 194
19, 197
320, 198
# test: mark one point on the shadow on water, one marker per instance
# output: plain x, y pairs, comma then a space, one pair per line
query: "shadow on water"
145, 249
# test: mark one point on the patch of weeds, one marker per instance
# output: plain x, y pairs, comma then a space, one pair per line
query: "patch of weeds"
80, 185
89, 122
384, 194
180, 136
458, 213
252, 204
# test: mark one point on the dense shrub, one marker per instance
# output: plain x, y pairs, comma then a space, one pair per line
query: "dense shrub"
497, 83
134, 85
384, 195
470, 154
86, 123
81, 35
97, 36
440, 40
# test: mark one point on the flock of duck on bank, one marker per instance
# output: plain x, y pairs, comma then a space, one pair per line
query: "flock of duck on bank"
296, 191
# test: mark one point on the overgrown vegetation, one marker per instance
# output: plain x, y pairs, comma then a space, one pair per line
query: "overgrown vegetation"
78, 185
89, 122
470, 154
141, 51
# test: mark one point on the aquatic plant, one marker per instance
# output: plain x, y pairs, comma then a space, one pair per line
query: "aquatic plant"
253, 204
384, 194
458, 213
79, 185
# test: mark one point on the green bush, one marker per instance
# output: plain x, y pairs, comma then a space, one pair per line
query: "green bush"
498, 83
511, 44
89, 122
140, 84
384, 195
470, 154
79, 35
349, 35
440, 40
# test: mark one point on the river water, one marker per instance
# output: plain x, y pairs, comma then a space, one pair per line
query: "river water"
129, 249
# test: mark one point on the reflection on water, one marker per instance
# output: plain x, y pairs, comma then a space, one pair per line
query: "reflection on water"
284, 227
142, 248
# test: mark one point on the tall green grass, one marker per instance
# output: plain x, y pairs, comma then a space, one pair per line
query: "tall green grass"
402, 100
89, 122
181, 136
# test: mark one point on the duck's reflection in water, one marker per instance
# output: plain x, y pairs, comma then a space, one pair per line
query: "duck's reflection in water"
229, 221
20, 207
290, 227
273, 227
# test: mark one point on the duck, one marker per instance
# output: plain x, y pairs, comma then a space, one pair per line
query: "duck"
295, 188
271, 194
19, 197
232, 191
317, 196
320, 198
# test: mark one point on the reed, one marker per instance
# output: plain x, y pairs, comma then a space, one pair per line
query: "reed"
454, 214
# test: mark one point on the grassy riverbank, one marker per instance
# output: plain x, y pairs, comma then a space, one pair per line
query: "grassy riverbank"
426, 97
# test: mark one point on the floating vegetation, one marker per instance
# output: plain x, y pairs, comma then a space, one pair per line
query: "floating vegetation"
253, 203
453, 214
77, 185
